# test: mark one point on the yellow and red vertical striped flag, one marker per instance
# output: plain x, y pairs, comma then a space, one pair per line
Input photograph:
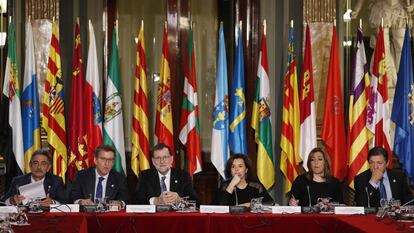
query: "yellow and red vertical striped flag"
53, 107
140, 156
358, 133
289, 143
164, 121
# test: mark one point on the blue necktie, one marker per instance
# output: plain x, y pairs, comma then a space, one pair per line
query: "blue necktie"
163, 185
99, 188
383, 193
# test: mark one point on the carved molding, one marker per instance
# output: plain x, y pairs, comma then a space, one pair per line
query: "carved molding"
42, 9
319, 10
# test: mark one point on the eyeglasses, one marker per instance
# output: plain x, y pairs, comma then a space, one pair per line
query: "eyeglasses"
106, 160
163, 158
37, 163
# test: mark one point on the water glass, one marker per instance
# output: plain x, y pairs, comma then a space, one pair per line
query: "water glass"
192, 206
256, 205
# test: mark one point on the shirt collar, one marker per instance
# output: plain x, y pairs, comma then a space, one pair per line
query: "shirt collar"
33, 180
97, 175
168, 175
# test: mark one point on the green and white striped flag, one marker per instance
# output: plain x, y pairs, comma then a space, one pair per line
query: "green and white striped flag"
113, 133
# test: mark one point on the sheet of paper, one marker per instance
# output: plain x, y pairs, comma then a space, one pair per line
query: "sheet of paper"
32, 191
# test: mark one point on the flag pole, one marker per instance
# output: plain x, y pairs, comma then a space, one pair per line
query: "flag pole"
360, 24
264, 27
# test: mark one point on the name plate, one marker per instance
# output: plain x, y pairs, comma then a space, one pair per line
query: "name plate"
349, 210
68, 208
214, 209
286, 210
140, 208
8, 209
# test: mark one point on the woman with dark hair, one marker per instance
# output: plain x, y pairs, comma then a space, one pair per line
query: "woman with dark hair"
318, 182
240, 189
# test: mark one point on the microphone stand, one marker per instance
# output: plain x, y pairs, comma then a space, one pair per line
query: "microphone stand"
369, 209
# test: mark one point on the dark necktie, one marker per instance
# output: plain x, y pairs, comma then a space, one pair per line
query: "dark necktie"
163, 185
99, 188
383, 193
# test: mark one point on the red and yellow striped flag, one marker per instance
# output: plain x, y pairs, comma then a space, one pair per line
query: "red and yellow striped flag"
163, 121
53, 107
140, 156
289, 143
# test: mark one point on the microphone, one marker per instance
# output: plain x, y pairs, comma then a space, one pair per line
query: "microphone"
235, 193
408, 202
369, 209
310, 209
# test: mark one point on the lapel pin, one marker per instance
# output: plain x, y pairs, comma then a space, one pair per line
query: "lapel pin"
394, 181
112, 185
176, 181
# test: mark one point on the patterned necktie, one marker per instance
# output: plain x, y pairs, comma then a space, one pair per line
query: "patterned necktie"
163, 185
383, 193
99, 188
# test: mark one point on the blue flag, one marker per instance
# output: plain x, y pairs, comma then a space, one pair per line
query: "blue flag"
237, 139
30, 102
402, 109
220, 133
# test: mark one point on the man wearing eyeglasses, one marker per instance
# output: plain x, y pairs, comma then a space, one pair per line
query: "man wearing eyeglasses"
99, 182
163, 185
40, 164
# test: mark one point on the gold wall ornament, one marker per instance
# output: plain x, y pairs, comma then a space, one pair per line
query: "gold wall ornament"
42, 9
319, 10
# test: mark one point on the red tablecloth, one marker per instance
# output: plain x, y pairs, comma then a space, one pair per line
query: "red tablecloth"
54, 222
208, 223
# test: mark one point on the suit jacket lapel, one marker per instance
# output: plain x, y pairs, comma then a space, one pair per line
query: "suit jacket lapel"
173, 181
156, 181
47, 183
90, 183
393, 184
110, 185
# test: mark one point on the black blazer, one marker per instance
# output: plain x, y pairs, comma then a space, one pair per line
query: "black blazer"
83, 186
52, 184
398, 184
149, 185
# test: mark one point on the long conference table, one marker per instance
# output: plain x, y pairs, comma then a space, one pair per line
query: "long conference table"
205, 223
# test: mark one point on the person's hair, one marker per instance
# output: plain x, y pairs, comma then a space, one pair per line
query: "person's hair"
327, 174
41, 152
160, 146
104, 147
247, 163
378, 151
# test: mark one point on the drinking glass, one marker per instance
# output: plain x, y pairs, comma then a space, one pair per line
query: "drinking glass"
256, 205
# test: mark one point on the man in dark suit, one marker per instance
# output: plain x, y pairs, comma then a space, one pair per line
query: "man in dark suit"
100, 181
163, 185
40, 164
378, 182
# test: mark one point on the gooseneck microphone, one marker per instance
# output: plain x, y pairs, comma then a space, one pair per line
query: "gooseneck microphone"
369, 201
235, 193
369, 209
410, 201
309, 209
309, 197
